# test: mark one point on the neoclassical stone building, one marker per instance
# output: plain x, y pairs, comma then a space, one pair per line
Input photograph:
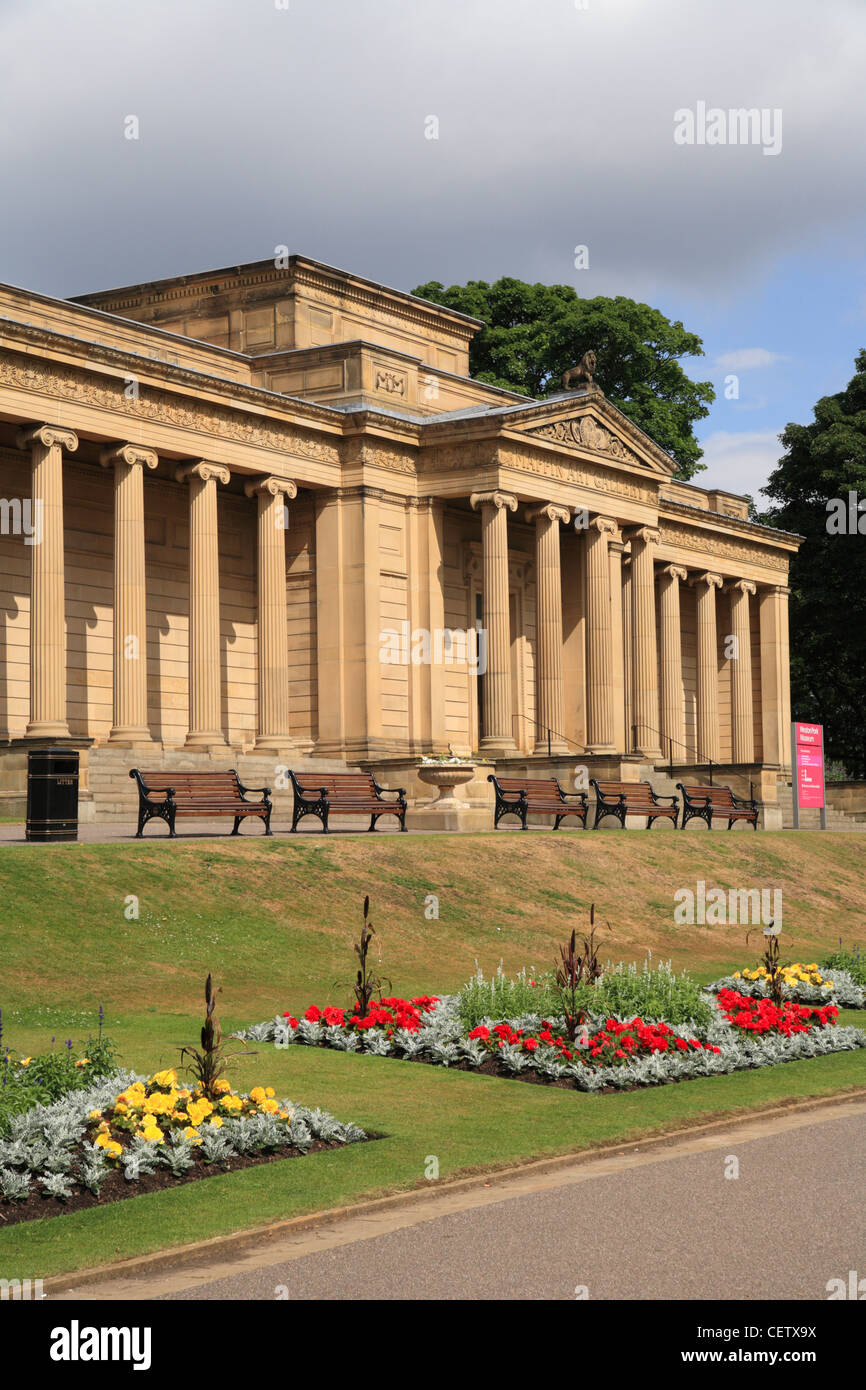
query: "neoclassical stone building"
267, 504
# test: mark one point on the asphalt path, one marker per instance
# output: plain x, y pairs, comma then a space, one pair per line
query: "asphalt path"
677, 1229
759, 1209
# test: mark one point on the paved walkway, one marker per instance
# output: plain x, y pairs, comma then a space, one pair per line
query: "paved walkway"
649, 1222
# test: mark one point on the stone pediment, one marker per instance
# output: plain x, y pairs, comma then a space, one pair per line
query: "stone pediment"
603, 431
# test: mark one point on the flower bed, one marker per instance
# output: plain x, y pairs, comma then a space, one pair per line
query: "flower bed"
608, 1053
130, 1133
805, 984
46, 1076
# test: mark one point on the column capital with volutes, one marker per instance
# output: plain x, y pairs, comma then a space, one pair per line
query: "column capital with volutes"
650, 535
493, 499
204, 471
712, 581
550, 511
48, 436
604, 525
271, 486
132, 455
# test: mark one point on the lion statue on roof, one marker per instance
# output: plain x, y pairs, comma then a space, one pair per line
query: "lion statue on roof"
582, 372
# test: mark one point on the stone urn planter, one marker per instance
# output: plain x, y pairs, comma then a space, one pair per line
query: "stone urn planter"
446, 776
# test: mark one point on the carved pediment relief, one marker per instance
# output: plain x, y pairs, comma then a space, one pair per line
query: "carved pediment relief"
586, 432
593, 425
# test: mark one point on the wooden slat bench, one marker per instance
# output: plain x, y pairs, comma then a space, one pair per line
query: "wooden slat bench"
206, 795
543, 796
344, 794
623, 799
702, 803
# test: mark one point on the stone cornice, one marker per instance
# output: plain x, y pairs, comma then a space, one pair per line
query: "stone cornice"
231, 422
726, 521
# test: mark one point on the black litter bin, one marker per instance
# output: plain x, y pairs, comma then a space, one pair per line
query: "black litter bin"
52, 794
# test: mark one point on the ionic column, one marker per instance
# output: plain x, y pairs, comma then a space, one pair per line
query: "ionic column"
599, 646
615, 555
205, 718
705, 586
645, 696
627, 653
273, 640
548, 676
494, 506
672, 705
129, 697
742, 715
775, 674
47, 587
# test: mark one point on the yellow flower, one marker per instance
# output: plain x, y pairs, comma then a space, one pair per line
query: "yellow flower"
231, 1103
270, 1107
25, 1061
166, 1079
114, 1149
270, 1092
83, 1062
198, 1110
216, 1122
102, 1141
221, 1087
95, 1115
160, 1103
190, 1133
737, 974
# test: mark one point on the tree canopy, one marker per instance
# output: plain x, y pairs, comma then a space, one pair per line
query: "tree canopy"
533, 333
815, 491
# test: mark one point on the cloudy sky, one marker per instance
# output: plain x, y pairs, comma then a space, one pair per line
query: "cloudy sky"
305, 123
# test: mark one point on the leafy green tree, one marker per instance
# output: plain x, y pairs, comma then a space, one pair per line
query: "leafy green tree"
815, 491
533, 333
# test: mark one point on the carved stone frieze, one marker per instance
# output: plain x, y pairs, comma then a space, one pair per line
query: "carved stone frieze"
374, 454
149, 403
581, 471
712, 543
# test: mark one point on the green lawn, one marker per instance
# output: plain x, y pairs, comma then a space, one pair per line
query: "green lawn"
275, 922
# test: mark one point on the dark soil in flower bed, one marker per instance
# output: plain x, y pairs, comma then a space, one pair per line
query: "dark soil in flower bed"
491, 1067
115, 1187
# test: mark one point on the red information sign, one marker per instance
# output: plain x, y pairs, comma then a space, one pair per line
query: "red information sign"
809, 745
